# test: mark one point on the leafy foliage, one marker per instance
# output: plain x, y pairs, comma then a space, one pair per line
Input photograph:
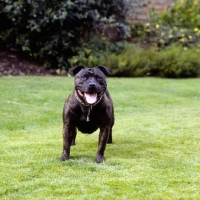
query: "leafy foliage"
94, 51
179, 24
66, 33
184, 14
132, 61
51, 31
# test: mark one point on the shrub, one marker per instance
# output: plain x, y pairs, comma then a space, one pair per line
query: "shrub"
176, 62
94, 50
179, 24
184, 14
51, 31
133, 61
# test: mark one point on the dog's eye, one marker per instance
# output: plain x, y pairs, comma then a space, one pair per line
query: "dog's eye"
99, 77
83, 77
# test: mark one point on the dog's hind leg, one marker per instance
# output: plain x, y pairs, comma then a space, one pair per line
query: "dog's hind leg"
73, 138
109, 141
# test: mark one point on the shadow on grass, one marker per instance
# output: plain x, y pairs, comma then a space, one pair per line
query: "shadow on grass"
80, 158
125, 149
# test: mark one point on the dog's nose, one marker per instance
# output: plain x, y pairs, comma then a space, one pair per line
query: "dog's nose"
92, 85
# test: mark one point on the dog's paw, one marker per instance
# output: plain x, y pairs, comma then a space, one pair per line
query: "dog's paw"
100, 159
64, 157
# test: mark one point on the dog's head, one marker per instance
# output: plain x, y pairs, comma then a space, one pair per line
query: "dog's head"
90, 83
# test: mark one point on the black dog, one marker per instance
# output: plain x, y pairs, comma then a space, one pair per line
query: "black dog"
88, 108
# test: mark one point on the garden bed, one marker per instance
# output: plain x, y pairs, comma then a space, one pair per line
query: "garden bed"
12, 65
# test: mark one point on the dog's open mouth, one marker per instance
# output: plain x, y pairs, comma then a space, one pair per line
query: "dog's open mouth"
90, 97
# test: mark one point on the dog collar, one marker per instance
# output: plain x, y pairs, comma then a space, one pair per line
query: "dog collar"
88, 105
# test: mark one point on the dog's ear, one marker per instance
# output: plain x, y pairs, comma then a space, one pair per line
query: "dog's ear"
105, 70
76, 69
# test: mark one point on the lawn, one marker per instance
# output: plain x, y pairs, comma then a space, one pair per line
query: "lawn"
155, 154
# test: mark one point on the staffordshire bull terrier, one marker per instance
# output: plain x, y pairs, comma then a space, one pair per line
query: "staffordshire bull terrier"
88, 108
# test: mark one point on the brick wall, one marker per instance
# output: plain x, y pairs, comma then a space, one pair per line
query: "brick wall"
139, 9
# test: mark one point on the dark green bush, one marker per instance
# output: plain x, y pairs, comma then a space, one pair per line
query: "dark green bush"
176, 62
51, 31
132, 61
94, 50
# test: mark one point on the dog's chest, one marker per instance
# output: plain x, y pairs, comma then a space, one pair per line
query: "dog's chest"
88, 114
87, 123
84, 116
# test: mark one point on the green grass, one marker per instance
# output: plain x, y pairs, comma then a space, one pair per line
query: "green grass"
155, 154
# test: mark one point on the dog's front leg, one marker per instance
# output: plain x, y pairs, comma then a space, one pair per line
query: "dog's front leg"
103, 138
69, 134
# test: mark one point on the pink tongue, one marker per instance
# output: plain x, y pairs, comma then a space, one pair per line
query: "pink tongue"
91, 97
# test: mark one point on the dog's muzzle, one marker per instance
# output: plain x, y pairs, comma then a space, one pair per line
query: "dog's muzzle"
94, 97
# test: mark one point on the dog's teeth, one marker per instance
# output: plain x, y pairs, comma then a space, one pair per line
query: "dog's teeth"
80, 92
